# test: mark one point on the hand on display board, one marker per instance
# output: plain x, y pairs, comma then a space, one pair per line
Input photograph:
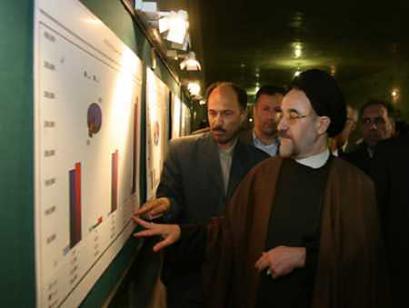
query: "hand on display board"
153, 209
169, 234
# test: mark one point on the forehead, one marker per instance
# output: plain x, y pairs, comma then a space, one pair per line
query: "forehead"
223, 97
266, 99
296, 100
374, 111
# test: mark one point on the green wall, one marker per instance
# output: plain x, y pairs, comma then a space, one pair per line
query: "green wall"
17, 262
16, 148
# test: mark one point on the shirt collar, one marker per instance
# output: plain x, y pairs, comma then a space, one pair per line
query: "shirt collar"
228, 151
315, 161
258, 141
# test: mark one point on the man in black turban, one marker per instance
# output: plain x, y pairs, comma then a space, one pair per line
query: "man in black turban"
302, 229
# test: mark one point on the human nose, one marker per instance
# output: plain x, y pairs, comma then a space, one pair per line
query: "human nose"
373, 125
218, 119
282, 123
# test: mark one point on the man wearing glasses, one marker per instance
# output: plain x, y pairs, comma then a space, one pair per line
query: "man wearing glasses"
302, 229
376, 125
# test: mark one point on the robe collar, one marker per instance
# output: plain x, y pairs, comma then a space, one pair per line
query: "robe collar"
315, 161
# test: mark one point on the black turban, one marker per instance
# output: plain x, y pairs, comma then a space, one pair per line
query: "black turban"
325, 97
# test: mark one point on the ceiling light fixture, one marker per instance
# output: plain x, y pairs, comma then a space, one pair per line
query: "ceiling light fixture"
297, 49
257, 86
146, 6
395, 95
190, 63
194, 88
175, 24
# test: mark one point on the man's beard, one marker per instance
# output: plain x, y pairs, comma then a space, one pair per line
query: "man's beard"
269, 128
287, 146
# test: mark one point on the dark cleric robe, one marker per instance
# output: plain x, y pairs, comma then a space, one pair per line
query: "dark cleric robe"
350, 268
294, 222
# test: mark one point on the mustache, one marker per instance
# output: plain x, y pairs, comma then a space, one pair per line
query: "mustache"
283, 134
218, 129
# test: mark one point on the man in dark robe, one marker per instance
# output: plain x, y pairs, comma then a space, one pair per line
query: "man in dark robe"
302, 229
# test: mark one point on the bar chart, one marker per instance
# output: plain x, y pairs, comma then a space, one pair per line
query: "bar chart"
87, 144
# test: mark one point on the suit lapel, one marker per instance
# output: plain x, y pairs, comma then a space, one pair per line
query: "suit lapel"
210, 157
237, 168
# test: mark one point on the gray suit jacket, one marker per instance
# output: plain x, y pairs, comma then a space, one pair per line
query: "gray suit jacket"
192, 177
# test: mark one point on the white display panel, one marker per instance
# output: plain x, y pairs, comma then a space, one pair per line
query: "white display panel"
176, 116
157, 130
87, 124
186, 118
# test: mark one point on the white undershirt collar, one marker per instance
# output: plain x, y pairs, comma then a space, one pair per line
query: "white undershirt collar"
315, 161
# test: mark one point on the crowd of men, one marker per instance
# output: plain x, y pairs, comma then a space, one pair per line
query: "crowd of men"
289, 213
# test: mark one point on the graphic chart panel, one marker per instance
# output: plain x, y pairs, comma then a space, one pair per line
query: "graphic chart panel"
176, 115
186, 120
157, 110
87, 124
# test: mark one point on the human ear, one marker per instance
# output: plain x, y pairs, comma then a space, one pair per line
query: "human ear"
243, 116
323, 125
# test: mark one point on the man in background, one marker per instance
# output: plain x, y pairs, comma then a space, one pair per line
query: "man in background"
376, 125
390, 172
264, 133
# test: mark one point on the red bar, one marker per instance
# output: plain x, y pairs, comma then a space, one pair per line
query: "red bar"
78, 202
114, 181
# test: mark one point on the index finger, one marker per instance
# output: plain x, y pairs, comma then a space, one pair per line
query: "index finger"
262, 262
144, 209
162, 244
143, 223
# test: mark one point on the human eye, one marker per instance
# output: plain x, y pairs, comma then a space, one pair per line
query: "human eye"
211, 113
277, 109
379, 121
292, 115
366, 121
227, 113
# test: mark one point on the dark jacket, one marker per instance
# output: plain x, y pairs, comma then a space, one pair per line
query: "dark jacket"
359, 157
390, 171
192, 177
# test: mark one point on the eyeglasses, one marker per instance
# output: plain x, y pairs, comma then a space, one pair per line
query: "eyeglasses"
378, 121
291, 116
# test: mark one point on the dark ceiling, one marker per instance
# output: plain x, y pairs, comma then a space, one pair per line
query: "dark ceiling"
252, 42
